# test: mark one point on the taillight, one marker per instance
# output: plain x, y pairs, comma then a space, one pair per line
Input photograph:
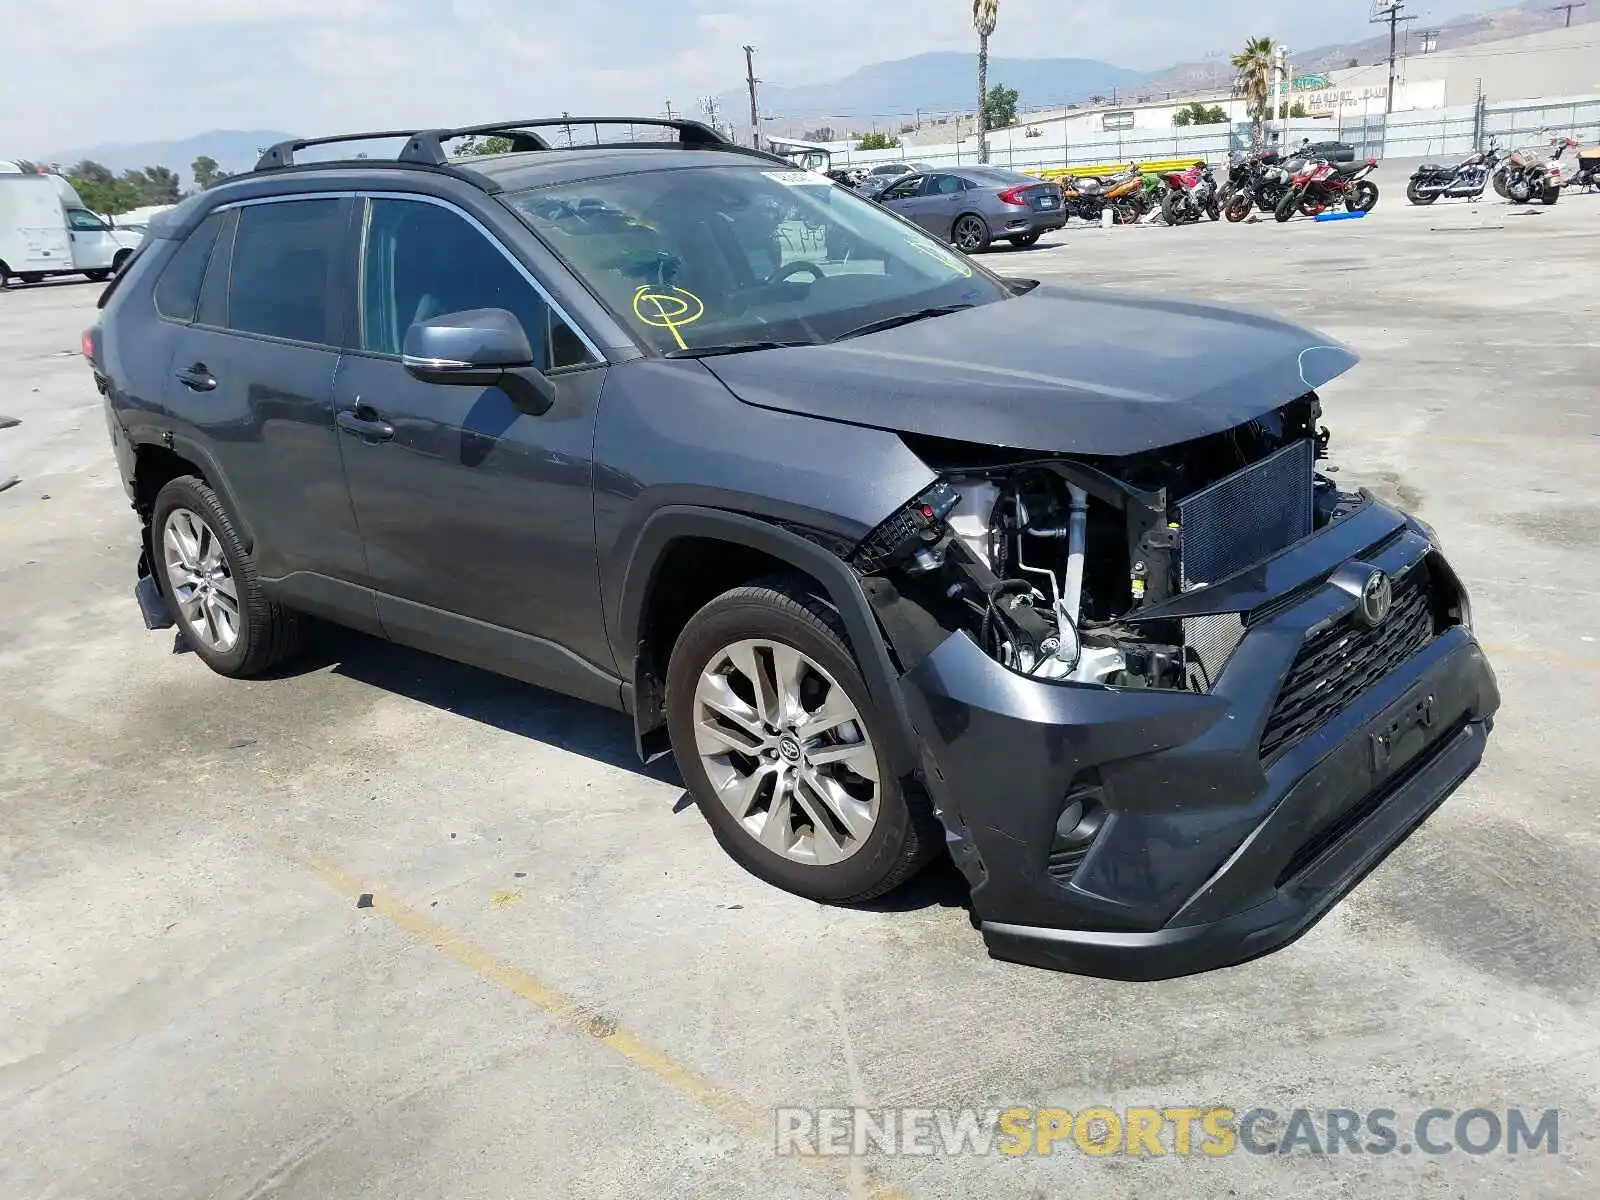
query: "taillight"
1014, 195
88, 344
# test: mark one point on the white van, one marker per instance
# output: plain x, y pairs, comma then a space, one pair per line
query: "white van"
40, 235
33, 230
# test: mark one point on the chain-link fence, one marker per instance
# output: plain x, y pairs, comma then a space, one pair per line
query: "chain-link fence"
1426, 133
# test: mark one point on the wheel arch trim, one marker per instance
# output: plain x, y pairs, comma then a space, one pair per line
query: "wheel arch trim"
838, 582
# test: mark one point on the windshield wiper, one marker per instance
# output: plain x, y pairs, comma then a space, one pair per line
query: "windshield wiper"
921, 314
732, 348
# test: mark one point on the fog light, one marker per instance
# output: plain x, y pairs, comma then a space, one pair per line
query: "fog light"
1080, 822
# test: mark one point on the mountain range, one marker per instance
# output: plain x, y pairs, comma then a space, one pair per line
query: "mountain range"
908, 90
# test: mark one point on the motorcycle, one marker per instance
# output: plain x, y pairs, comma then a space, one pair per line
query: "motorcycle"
1257, 182
1464, 181
1524, 178
1588, 175
1089, 197
1190, 194
1320, 186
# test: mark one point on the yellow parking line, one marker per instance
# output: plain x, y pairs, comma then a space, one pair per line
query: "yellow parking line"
564, 1008
1556, 660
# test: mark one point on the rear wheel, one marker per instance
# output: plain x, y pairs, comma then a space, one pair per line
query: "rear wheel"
210, 581
970, 234
32, 277
1417, 196
1362, 197
98, 276
1023, 241
1238, 208
1287, 207
780, 746
1551, 195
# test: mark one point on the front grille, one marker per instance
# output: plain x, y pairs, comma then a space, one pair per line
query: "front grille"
1339, 664
1249, 516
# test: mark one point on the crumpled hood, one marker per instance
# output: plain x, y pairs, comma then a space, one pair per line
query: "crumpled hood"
1057, 369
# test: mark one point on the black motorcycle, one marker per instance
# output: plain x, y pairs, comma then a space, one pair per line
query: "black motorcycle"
1467, 180
1259, 181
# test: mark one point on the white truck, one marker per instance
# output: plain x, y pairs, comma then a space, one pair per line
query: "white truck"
43, 234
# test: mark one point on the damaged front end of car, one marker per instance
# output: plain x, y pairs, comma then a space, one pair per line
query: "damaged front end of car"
1172, 705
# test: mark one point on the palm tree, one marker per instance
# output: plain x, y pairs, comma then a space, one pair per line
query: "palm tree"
1253, 81
985, 13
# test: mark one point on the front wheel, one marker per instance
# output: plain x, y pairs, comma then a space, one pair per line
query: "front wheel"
1287, 207
970, 234
98, 276
1172, 209
781, 747
1023, 241
1363, 196
1214, 210
1239, 206
32, 277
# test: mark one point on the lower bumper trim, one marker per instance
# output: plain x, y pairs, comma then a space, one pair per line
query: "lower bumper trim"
1295, 907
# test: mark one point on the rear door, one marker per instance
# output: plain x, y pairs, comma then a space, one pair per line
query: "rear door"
252, 386
941, 203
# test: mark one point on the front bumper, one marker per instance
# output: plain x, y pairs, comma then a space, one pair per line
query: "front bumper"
1207, 855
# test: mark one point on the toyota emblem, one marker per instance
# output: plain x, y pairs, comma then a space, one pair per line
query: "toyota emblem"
1377, 595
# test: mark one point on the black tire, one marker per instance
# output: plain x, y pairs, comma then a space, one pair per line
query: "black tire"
98, 276
906, 834
1214, 211
1023, 241
1500, 188
1362, 197
1287, 207
32, 277
1170, 210
1551, 195
1419, 197
970, 233
269, 634
1239, 207
120, 260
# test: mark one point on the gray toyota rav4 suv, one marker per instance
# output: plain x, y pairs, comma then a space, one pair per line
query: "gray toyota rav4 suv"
894, 555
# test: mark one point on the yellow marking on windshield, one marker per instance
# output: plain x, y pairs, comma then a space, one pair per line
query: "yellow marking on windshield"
667, 308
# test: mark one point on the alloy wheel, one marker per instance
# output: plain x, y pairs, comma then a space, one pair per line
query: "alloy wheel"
969, 234
199, 581
787, 752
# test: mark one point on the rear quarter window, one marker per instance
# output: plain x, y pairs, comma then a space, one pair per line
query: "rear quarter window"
285, 262
178, 288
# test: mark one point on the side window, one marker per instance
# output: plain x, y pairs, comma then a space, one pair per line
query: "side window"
84, 222
178, 289
944, 185
424, 261
910, 186
285, 256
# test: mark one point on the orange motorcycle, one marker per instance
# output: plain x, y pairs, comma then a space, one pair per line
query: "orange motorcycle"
1090, 196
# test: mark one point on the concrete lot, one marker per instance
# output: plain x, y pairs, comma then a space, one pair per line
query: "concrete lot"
562, 987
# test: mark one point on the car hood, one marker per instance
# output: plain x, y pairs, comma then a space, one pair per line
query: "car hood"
1056, 369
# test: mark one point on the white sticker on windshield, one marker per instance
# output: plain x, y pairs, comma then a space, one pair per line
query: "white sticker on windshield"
799, 178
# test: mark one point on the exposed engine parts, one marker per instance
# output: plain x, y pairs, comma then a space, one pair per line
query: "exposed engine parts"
1058, 567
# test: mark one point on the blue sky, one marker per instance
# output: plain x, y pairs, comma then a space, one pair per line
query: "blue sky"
82, 72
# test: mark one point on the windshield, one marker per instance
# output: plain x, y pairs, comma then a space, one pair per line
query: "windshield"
701, 257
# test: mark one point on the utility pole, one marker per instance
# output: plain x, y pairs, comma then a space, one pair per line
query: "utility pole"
709, 107
1567, 8
751, 80
566, 125
670, 113
1387, 12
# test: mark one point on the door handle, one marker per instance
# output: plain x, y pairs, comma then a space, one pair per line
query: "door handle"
364, 424
197, 378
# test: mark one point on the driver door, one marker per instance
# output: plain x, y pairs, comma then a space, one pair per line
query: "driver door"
93, 247
905, 197
477, 516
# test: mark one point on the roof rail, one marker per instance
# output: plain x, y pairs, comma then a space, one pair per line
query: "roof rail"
282, 154
425, 147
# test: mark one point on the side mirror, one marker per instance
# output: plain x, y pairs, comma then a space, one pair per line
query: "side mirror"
483, 347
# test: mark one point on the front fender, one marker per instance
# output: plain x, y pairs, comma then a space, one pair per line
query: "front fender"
839, 584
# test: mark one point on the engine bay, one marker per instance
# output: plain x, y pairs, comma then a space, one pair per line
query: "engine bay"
1057, 565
